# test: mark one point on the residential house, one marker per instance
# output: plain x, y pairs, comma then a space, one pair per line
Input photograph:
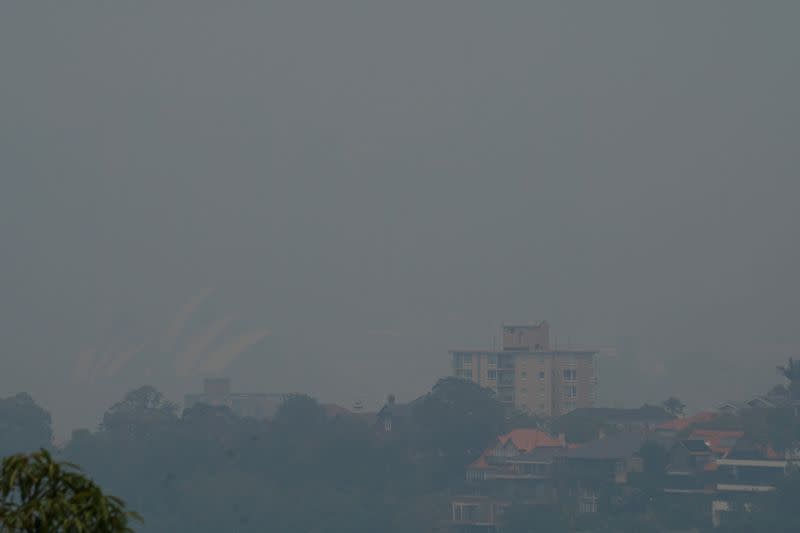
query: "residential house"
597, 471
749, 469
496, 459
518, 467
721, 442
690, 456
690, 466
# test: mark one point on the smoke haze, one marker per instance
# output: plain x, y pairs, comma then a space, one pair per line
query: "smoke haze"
325, 198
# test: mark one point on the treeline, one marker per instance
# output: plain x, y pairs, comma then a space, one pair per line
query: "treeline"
207, 470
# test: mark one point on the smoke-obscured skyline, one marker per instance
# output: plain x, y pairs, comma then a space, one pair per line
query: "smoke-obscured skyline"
326, 198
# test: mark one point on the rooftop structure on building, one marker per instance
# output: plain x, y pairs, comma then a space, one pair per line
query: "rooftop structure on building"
217, 392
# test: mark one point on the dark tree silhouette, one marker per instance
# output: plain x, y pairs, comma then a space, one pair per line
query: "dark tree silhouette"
140, 410
25, 425
792, 372
674, 406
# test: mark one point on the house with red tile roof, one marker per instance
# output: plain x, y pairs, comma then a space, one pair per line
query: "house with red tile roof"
513, 444
519, 463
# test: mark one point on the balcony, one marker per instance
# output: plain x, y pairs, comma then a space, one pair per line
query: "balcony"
472, 510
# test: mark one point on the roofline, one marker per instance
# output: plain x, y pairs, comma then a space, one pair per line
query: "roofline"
731, 487
770, 463
240, 395
559, 351
538, 324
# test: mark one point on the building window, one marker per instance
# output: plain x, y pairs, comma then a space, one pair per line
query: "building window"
492, 374
462, 360
465, 373
541, 375
463, 512
492, 359
524, 376
570, 374
588, 501
569, 406
570, 392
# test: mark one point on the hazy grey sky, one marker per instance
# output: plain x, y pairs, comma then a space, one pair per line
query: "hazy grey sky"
356, 187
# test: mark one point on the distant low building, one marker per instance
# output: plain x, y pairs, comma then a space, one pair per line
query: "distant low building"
217, 392
530, 467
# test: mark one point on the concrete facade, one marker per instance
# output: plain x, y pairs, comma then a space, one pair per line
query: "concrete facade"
528, 374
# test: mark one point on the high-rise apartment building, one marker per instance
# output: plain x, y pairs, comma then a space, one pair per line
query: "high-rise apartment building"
529, 374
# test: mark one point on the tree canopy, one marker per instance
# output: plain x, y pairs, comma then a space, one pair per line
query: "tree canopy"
792, 372
141, 408
24, 425
40, 495
674, 406
456, 421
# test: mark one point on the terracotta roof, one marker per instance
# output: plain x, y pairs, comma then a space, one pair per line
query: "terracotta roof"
479, 463
679, 424
525, 440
